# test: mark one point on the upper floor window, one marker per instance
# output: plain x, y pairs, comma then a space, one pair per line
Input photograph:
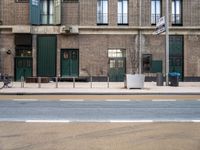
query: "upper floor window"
102, 11
155, 11
71, 1
22, 1
176, 12
45, 12
122, 12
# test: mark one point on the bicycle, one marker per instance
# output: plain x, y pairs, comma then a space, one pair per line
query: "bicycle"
5, 82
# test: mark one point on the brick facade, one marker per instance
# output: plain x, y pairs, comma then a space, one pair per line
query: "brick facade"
93, 41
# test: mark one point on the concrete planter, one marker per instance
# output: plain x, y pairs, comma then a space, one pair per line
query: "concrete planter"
135, 81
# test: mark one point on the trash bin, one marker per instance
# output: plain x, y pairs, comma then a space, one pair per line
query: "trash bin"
159, 79
174, 79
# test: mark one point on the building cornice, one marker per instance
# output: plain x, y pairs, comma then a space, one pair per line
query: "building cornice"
184, 30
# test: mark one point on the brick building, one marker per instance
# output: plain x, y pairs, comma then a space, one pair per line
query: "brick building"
97, 38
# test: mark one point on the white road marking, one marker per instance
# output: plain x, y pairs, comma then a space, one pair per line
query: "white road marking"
130, 121
118, 100
47, 121
25, 99
76, 100
103, 121
163, 100
198, 100
196, 121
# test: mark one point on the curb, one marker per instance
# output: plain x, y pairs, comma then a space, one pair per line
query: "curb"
102, 93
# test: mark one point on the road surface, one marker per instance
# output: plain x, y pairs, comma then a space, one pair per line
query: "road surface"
101, 111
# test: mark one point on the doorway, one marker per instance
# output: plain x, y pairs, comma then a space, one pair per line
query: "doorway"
69, 62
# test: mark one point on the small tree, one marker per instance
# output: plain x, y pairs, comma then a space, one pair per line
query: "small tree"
134, 57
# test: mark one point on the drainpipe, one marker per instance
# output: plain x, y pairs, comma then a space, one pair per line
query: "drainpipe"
167, 43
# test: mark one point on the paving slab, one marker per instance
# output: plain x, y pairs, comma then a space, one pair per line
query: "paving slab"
101, 88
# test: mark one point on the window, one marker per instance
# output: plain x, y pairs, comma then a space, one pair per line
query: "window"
122, 11
176, 12
70, 1
47, 10
23, 45
146, 62
155, 11
102, 11
116, 53
21, 1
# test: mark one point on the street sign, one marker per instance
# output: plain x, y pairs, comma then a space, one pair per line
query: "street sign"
160, 26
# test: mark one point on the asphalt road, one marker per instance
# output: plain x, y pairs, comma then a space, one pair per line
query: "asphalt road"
100, 111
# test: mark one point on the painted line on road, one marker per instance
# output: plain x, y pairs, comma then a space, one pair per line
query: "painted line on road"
163, 100
25, 100
102, 121
76, 100
118, 100
130, 121
198, 99
47, 121
196, 121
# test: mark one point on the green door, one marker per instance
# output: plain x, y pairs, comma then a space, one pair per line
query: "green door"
46, 56
117, 69
23, 67
176, 55
69, 62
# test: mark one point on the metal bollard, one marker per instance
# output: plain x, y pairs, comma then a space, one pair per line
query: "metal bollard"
22, 82
90, 81
108, 82
39, 82
56, 82
73, 82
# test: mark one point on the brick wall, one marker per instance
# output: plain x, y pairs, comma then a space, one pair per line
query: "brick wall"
94, 52
13, 13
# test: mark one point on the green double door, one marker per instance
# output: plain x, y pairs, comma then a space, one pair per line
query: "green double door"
23, 67
117, 69
69, 62
176, 63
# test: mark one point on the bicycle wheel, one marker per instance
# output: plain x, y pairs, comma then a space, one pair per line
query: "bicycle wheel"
10, 84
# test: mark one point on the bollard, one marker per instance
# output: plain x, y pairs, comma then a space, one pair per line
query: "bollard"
56, 82
108, 82
90, 81
22, 82
39, 82
73, 82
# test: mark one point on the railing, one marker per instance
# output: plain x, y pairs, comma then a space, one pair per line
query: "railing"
73, 83
122, 18
176, 19
102, 18
155, 18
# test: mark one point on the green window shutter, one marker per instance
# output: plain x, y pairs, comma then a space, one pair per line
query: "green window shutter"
35, 12
57, 14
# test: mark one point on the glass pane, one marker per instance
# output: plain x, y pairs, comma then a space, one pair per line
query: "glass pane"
112, 63
74, 55
51, 6
178, 7
120, 63
173, 11
153, 7
157, 7
125, 6
105, 11
116, 53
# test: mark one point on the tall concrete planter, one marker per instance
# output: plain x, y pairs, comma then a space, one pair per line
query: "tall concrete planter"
135, 81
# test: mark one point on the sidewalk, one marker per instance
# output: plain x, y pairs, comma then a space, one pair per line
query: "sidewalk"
100, 88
